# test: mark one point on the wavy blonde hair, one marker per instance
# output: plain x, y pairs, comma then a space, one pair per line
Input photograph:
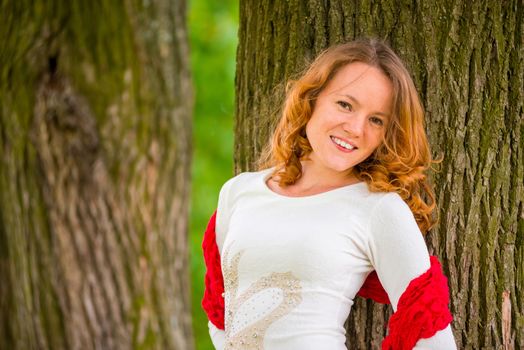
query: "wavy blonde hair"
397, 165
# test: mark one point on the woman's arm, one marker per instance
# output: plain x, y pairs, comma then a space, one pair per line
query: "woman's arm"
213, 301
399, 254
443, 339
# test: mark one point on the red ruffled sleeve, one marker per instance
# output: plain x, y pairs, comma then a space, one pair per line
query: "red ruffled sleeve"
213, 300
422, 310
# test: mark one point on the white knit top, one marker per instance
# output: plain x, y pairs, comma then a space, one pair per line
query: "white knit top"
293, 265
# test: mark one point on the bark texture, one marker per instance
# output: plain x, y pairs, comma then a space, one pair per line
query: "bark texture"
467, 60
95, 126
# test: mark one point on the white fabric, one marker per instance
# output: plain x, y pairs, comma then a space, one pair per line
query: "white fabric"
329, 242
218, 336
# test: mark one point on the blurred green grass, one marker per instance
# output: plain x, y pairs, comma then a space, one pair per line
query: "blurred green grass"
213, 29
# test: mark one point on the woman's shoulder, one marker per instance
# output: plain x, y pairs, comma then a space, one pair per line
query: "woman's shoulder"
382, 208
390, 213
391, 201
246, 179
380, 200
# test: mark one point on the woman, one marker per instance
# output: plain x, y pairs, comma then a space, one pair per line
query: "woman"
339, 201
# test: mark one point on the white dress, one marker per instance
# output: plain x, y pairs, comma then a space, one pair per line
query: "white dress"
293, 265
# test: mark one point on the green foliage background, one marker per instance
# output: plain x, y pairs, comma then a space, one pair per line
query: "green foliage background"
213, 38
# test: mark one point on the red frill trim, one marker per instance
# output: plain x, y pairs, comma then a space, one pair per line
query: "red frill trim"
372, 289
422, 310
213, 301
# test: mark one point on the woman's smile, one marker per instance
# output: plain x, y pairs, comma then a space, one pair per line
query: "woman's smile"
342, 144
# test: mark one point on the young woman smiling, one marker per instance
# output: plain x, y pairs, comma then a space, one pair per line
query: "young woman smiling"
336, 210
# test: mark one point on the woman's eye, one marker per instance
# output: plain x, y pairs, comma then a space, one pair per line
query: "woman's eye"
345, 105
376, 121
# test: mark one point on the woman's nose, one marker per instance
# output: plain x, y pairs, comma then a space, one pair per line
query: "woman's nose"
355, 125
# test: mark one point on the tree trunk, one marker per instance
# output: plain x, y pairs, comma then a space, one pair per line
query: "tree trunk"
467, 62
95, 127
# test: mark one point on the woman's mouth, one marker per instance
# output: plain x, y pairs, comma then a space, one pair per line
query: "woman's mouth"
342, 145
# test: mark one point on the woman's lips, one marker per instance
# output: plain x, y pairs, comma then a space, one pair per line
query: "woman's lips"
343, 145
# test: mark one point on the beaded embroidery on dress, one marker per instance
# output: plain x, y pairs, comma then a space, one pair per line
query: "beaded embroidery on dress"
245, 329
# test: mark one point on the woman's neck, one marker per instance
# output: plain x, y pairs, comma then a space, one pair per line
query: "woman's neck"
318, 177
313, 180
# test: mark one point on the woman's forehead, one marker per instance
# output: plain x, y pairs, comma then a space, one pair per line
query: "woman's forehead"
364, 84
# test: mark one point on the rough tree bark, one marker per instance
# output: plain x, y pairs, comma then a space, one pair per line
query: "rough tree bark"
95, 126
467, 62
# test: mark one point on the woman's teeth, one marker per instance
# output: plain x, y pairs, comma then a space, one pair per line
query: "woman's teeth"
342, 143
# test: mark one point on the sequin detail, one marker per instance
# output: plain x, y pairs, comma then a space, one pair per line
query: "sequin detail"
281, 292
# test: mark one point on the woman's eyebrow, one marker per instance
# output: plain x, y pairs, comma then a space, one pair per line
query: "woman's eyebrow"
352, 98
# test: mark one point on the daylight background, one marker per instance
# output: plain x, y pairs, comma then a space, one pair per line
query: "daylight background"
116, 115
213, 29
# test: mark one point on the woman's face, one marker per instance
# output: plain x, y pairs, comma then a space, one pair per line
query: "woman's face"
349, 118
